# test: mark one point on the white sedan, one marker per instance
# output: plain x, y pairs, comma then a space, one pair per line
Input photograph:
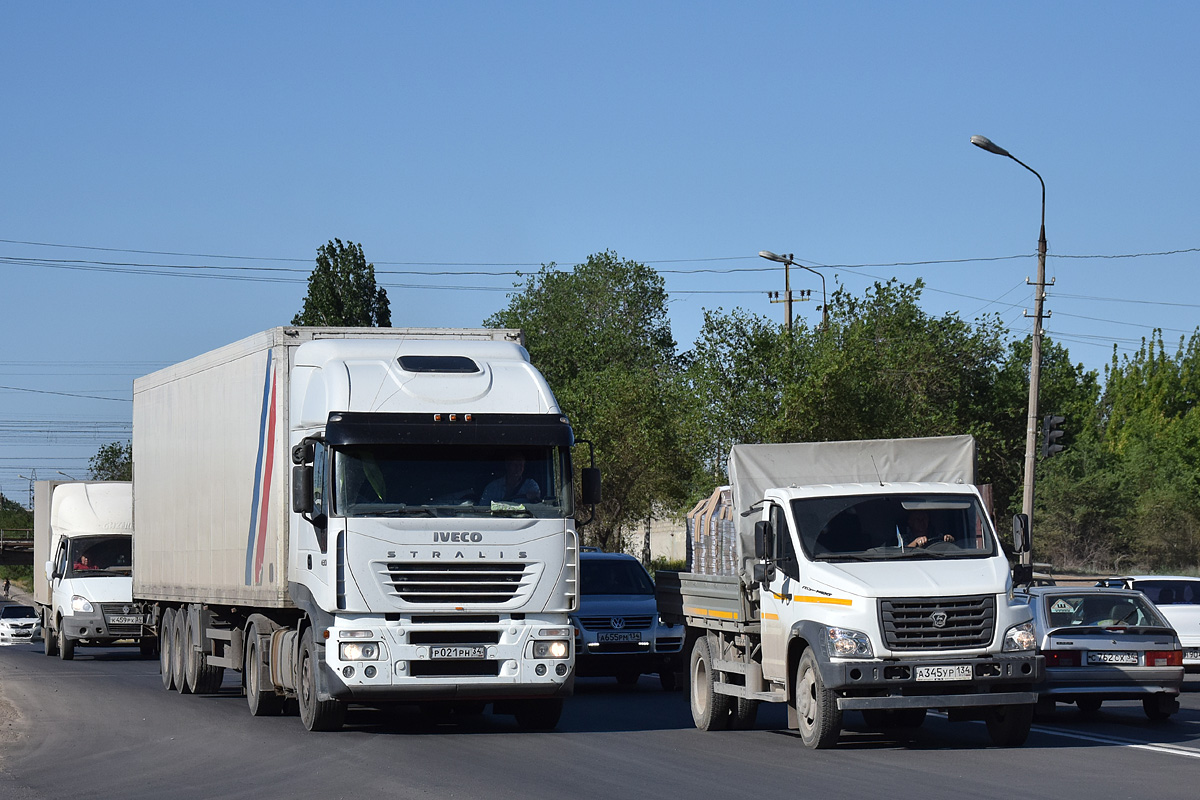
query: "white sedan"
19, 624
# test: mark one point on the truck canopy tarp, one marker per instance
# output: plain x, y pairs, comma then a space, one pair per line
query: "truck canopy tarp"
754, 468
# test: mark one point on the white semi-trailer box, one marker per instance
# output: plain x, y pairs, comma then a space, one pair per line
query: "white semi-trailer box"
310, 505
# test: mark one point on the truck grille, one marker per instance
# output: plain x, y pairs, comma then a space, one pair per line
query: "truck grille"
455, 583
605, 622
913, 623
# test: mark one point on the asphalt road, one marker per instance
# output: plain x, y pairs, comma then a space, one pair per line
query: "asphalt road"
102, 726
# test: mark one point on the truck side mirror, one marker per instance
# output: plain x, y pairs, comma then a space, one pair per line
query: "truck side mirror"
764, 545
49, 570
1021, 533
302, 489
764, 572
590, 491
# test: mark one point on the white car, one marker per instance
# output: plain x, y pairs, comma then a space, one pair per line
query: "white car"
19, 624
1178, 598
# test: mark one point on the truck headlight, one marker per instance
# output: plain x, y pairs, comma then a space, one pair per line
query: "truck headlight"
359, 651
1020, 637
81, 605
551, 649
846, 643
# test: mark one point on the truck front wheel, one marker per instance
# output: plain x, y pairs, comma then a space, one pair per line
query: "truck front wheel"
316, 714
710, 711
1009, 725
66, 647
816, 707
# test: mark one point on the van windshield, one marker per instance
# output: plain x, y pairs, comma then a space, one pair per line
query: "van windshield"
879, 527
422, 480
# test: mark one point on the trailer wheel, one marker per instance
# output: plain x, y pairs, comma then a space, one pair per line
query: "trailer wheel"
816, 706
538, 715
263, 702
200, 676
316, 714
66, 647
166, 624
710, 711
178, 653
1009, 725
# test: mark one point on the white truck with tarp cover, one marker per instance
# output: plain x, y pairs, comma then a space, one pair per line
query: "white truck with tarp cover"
360, 515
83, 549
868, 578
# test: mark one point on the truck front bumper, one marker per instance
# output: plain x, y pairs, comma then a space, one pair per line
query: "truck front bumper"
884, 684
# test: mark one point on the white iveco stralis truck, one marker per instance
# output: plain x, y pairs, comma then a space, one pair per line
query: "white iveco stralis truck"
360, 515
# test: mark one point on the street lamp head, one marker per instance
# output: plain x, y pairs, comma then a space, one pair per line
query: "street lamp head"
767, 254
989, 145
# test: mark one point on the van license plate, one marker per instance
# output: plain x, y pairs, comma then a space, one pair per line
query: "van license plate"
125, 619
957, 672
457, 652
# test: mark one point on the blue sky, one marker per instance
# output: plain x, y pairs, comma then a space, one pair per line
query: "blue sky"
492, 137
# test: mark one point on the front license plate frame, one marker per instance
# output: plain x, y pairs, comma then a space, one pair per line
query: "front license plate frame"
615, 637
944, 672
457, 652
124, 619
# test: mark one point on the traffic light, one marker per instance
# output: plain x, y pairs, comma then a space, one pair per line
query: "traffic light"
1051, 432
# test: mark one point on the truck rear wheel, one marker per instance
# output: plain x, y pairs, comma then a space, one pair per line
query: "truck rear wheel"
262, 700
316, 714
816, 707
49, 639
166, 624
66, 647
1009, 725
710, 711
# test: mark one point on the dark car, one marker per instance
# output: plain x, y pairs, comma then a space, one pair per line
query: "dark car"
1105, 644
618, 632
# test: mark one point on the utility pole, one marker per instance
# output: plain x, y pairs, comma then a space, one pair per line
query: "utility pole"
788, 262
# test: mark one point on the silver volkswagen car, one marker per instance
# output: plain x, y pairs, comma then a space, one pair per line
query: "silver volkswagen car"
618, 632
1104, 644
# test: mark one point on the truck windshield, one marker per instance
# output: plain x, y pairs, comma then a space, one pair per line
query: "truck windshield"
422, 480
879, 527
93, 556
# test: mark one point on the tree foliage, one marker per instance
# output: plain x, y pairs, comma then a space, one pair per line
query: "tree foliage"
342, 290
601, 336
112, 462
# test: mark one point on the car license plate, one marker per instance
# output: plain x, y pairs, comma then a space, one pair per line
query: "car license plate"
619, 637
125, 619
957, 672
1112, 657
1192, 652
454, 651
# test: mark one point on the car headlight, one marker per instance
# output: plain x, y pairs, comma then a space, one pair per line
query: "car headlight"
1020, 637
81, 605
845, 643
551, 649
359, 651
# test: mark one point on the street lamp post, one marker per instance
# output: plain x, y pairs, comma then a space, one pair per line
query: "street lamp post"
788, 261
1035, 358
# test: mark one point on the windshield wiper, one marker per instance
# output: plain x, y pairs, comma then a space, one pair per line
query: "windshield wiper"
406, 511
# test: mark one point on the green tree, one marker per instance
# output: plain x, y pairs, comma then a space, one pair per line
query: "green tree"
601, 336
883, 368
16, 521
112, 462
342, 290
